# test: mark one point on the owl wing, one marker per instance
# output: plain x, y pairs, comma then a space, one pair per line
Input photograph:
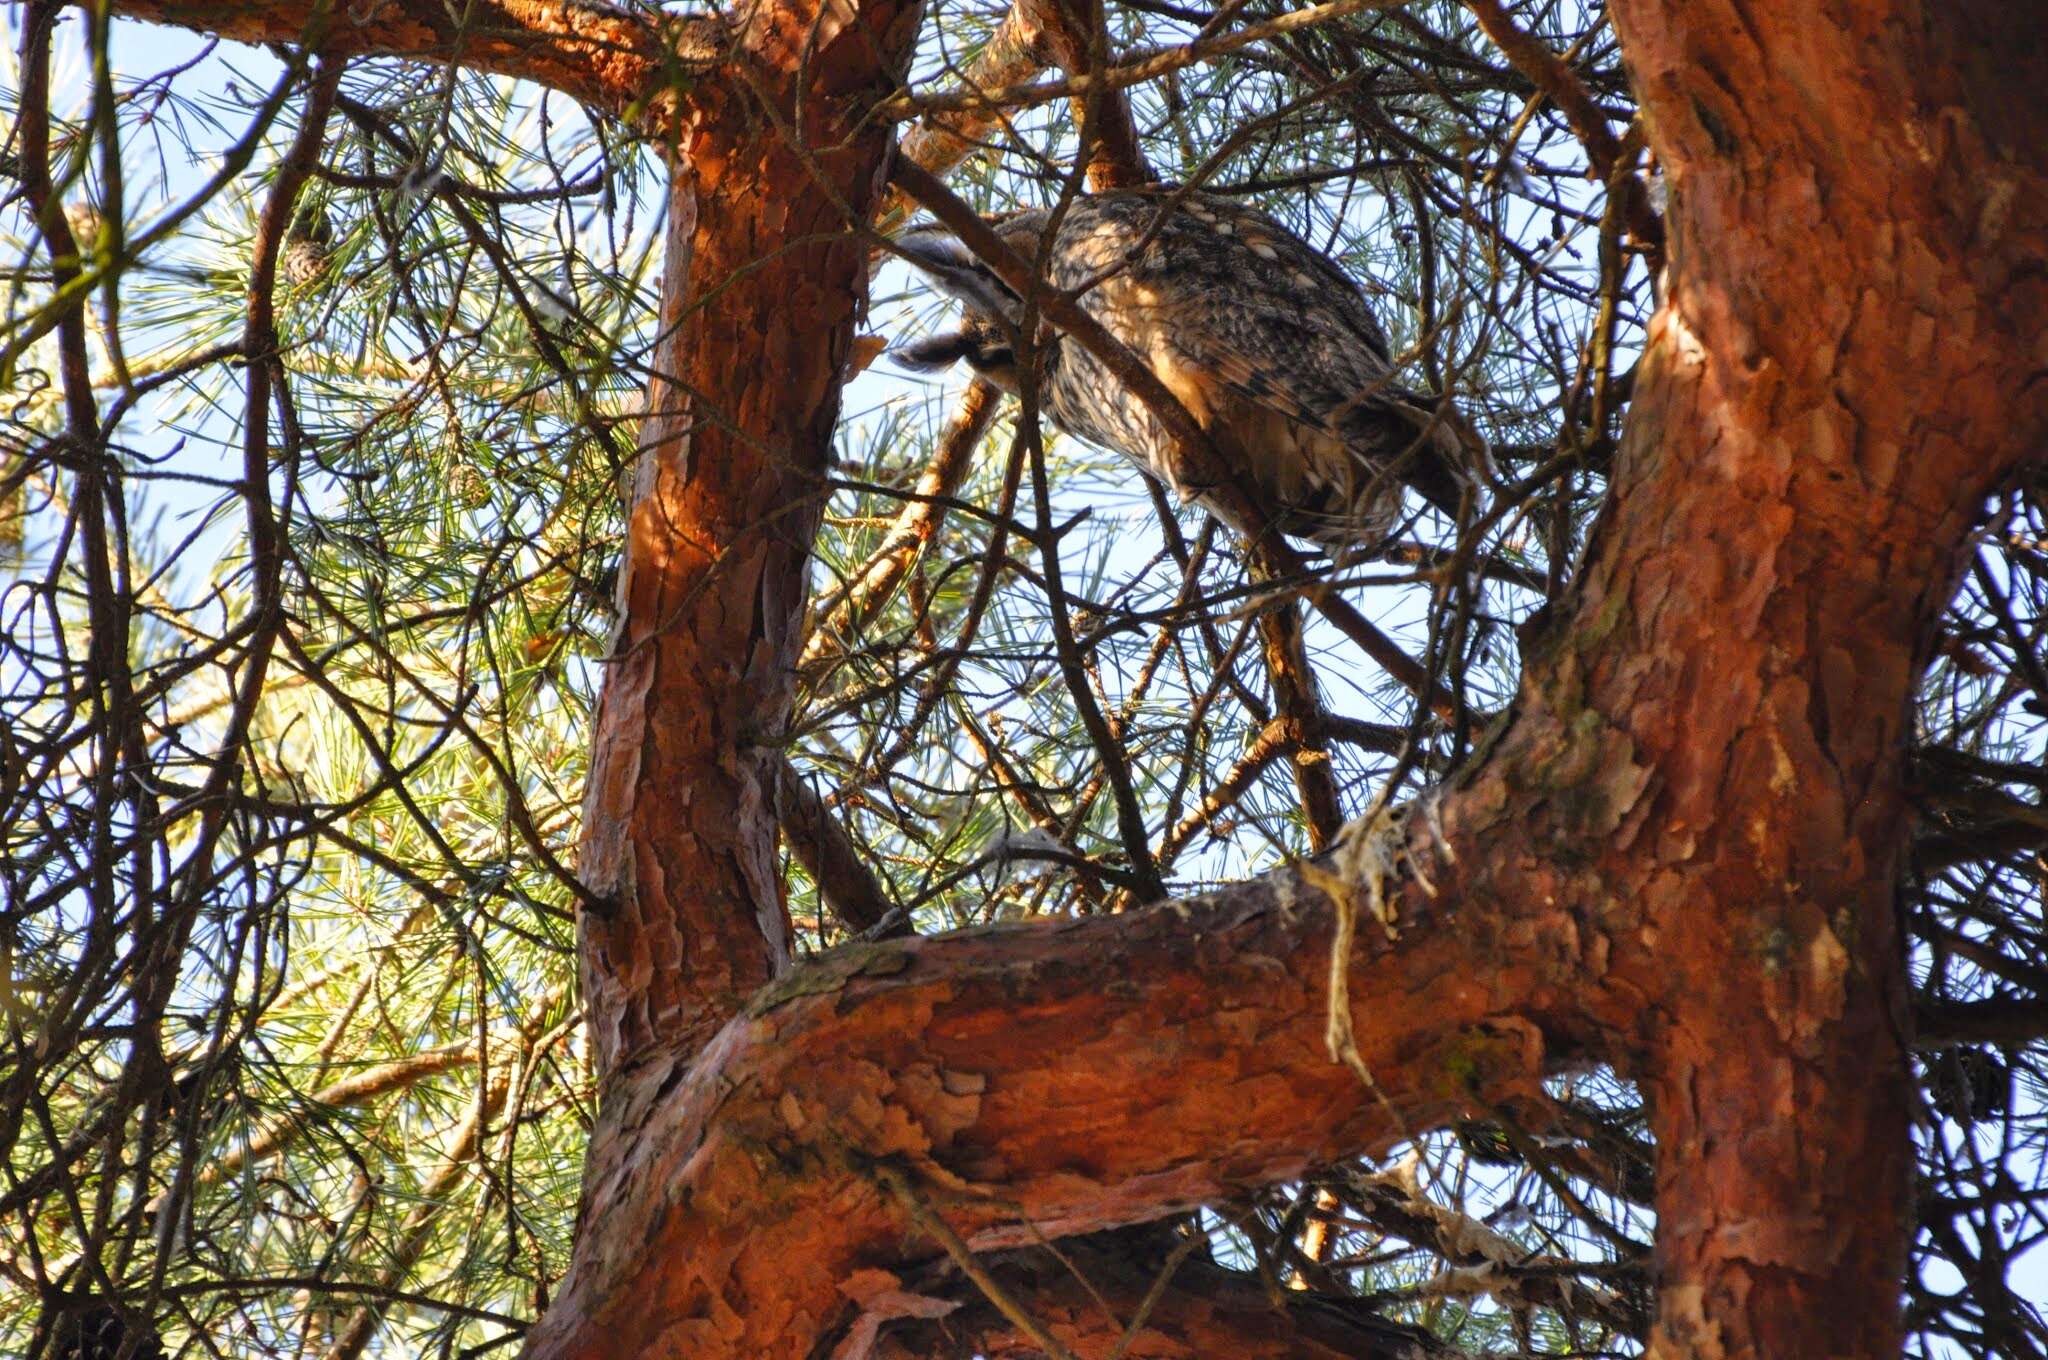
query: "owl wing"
1227, 304
1237, 297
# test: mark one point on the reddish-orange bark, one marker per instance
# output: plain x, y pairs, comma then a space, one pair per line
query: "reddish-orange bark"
1678, 855
1071, 36
602, 54
1049, 1079
764, 279
1848, 361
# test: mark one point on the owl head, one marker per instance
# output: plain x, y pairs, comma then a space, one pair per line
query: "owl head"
990, 309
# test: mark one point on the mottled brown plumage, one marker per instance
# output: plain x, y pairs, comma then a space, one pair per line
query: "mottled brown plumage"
1265, 341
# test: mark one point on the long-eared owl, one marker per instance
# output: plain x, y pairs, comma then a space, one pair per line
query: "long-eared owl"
1269, 345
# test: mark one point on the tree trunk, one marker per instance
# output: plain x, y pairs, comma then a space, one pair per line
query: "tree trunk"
764, 279
1847, 363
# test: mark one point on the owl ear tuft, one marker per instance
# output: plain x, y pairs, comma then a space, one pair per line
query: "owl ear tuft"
984, 349
953, 267
934, 352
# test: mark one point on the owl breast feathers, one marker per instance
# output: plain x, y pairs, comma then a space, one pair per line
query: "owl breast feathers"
1269, 345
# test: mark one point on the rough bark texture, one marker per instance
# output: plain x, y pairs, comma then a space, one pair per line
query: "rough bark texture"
764, 280
1677, 853
1054, 1078
607, 56
1849, 359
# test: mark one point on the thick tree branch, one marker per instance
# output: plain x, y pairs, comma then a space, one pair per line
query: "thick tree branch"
615, 59
1019, 1098
1804, 459
1643, 746
1677, 853
764, 277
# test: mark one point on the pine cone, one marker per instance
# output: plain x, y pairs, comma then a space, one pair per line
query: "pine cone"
304, 261
307, 247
